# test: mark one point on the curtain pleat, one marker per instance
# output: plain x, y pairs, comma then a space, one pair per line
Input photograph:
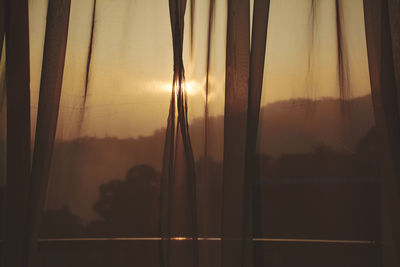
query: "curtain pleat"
46, 124
235, 122
2, 25
2, 108
342, 57
165, 187
206, 110
192, 18
178, 207
205, 195
89, 57
252, 219
386, 109
241, 194
394, 14
18, 131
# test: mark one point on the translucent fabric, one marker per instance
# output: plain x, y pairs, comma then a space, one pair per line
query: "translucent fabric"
3, 134
316, 147
121, 124
381, 21
197, 133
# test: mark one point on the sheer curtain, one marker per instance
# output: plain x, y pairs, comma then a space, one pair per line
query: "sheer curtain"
199, 133
382, 22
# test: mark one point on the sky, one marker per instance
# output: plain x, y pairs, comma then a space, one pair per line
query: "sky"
131, 70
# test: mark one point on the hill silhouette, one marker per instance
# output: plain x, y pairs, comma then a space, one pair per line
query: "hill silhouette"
328, 194
299, 126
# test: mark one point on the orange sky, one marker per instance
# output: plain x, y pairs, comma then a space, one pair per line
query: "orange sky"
131, 71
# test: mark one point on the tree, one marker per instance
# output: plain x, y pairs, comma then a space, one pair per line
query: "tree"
60, 223
129, 207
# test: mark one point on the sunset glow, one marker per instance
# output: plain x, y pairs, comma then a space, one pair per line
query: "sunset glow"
190, 87
131, 68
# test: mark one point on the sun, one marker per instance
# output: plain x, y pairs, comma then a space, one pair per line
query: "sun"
191, 87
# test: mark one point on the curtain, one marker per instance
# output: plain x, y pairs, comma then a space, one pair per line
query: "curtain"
46, 123
199, 133
178, 159
26, 186
2, 116
18, 131
315, 146
383, 48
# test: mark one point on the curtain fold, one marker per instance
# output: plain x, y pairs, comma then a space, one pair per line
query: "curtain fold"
2, 105
394, 15
2, 25
178, 205
235, 122
205, 200
49, 100
205, 169
252, 219
181, 211
2, 125
90, 51
18, 131
386, 109
26, 190
342, 57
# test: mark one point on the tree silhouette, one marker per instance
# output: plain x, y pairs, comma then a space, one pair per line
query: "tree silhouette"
60, 223
129, 207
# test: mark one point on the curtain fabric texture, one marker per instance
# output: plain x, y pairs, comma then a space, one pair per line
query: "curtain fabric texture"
235, 122
18, 132
382, 44
252, 227
46, 123
26, 187
178, 161
267, 114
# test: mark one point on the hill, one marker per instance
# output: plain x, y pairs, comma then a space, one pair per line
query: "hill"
300, 126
